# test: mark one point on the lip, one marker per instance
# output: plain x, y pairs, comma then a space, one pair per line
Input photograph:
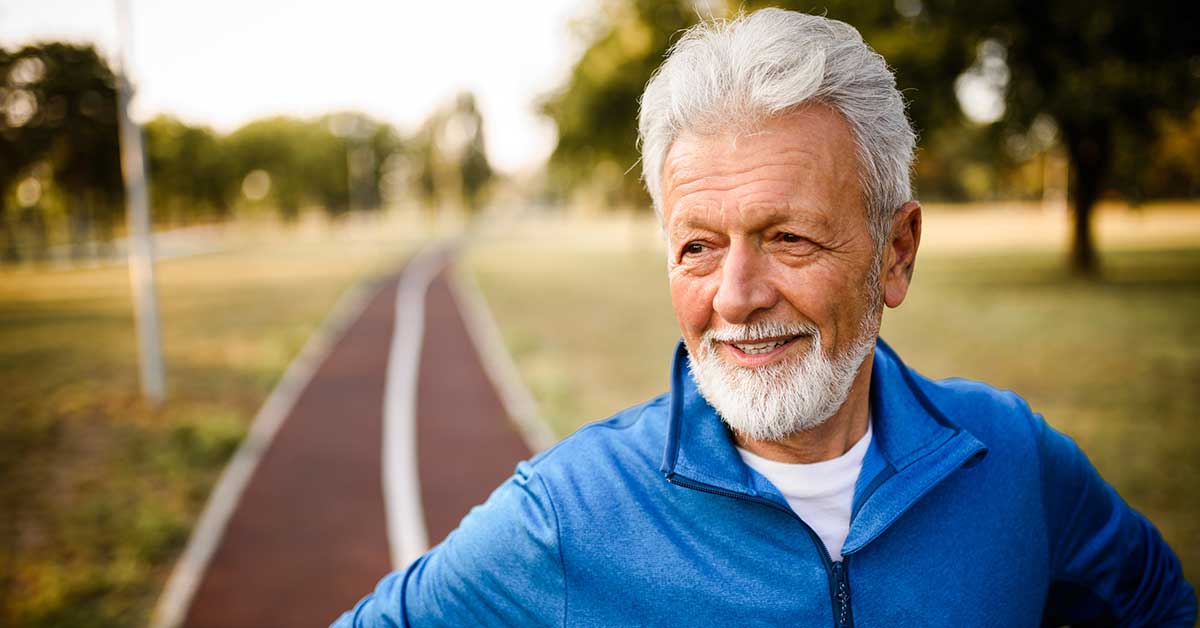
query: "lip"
748, 360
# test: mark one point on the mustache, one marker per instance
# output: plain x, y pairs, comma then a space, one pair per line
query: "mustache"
759, 330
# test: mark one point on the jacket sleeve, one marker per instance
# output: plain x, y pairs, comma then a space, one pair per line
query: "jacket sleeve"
501, 567
1109, 565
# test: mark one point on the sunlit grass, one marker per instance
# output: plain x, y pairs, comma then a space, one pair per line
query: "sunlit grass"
98, 490
1114, 362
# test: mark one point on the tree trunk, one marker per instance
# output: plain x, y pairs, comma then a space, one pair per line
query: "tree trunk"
39, 232
1089, 147
78, 221
103, 230
9, 251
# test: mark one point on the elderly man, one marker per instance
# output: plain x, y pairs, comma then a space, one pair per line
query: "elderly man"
797, 473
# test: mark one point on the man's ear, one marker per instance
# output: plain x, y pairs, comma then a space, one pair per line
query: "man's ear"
900, 253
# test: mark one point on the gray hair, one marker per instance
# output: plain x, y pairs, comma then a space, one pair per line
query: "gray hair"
722, 74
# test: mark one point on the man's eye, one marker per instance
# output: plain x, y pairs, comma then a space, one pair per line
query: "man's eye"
790, 238
693, 248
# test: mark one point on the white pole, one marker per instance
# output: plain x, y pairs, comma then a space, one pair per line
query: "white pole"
141, 243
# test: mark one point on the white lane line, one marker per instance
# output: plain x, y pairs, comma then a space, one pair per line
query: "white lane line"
407, 537
498, 363
171, 608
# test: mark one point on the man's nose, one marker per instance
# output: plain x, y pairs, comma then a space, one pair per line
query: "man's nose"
745, 284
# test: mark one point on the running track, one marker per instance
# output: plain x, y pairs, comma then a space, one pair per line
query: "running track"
309, 534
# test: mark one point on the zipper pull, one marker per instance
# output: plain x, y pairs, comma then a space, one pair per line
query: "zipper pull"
841, 614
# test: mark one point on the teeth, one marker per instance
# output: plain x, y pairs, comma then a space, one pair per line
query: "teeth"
759, 347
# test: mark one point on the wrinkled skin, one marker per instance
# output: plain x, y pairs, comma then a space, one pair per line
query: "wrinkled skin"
772, 225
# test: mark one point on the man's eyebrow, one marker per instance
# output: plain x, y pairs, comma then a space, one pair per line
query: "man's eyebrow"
694, 222
766, 215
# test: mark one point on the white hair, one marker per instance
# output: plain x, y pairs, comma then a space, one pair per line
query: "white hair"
735, 74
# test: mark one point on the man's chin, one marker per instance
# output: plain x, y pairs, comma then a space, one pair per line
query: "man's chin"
773, 401
758, 403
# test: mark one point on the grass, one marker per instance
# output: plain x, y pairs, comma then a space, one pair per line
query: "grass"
98, 490
1113, 362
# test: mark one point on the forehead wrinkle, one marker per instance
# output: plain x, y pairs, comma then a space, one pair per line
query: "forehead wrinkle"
725, 165
689, 174
749, 218
771, 186
748, 176
797, 167
700, 217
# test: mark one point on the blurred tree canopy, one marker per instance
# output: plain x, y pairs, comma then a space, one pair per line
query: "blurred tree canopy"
192, 176
60, 158
1107, 73
317, 162
596, 110
448, 157
58, 126
1114, 84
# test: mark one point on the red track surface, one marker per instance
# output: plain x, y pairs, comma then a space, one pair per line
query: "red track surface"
308, 538
466, 446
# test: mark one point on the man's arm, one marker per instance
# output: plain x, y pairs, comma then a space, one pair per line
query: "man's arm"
1109, 564
501, 567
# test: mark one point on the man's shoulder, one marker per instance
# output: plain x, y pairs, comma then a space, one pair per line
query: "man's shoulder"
628, 442
636, 428
989, 412
969, 398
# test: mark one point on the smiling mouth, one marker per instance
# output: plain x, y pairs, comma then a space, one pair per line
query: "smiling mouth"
758, 347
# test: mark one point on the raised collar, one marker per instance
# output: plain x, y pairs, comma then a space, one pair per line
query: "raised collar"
899, 468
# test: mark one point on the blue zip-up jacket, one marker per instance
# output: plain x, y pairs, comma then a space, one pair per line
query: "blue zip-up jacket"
969, 511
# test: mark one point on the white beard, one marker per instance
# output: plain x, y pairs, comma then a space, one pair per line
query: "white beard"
772, 402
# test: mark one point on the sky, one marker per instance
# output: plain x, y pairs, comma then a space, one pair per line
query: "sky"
225, 62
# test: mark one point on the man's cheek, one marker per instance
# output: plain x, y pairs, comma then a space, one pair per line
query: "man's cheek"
690, 305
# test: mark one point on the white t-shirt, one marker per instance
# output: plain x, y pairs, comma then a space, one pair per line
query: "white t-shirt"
821, 492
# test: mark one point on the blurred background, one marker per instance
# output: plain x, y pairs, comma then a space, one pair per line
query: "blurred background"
294, 149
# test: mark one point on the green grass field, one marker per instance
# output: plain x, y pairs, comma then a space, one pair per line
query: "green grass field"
98, 490
1115, 362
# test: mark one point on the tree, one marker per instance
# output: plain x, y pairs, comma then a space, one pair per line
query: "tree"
366, 145
59, 109
463, 141
76, 121
596, 111
189, 169
276, 146
1105, 71
312, 162
450, 165
14, 158
59, 136
1111, 75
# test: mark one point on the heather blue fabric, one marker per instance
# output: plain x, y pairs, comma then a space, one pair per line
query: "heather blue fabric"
969, 511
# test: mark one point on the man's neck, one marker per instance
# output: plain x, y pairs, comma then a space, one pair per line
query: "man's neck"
828, 440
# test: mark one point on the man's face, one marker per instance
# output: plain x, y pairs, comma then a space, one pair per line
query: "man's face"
771, 266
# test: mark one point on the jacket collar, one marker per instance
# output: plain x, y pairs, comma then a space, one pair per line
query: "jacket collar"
900, 465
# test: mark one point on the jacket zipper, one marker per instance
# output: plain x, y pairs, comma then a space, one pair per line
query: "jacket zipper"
842, 616
839, 584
